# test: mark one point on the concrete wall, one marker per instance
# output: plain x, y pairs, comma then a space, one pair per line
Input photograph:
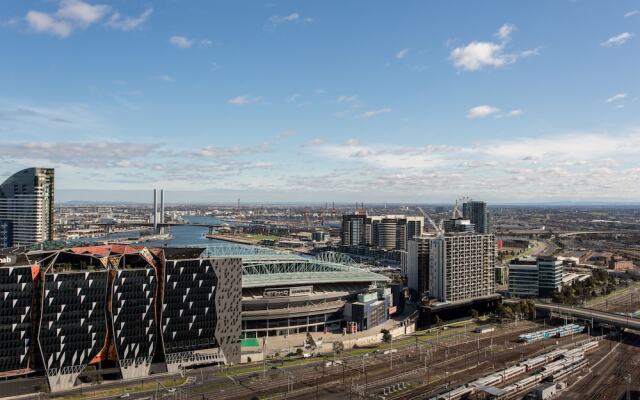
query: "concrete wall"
371, 340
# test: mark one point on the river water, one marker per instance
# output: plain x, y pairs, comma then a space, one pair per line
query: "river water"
183, 235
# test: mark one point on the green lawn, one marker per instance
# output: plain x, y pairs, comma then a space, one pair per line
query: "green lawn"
601, 299
284, 362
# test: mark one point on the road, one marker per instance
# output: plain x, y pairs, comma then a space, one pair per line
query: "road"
595, 315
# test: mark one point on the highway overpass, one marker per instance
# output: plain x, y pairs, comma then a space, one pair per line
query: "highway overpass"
617, 320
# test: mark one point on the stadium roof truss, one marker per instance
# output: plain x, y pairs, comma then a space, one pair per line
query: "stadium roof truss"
272, 271
265, 267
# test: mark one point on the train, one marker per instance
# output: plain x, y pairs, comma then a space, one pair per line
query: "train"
560, 331
554, 365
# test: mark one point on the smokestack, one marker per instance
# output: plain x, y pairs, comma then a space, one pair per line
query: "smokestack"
162, 206
154, 212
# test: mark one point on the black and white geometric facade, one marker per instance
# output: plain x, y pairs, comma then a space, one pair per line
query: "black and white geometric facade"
194, 312
16, 292
117, 307
134, 320
73, 324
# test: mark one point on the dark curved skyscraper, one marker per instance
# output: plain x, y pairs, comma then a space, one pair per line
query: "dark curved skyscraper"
476, 212
26, 207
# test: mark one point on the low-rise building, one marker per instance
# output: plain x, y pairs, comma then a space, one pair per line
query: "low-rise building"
534, 277
619, 264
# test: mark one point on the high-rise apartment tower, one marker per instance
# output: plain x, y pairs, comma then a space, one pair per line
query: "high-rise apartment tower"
26, 207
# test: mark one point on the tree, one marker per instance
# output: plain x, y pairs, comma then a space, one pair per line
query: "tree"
504, 311
474, 313
437, 320
386, 336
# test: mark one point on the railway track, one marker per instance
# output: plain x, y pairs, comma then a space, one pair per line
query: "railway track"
452, 354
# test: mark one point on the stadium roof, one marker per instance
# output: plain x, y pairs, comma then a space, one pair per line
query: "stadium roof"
297, 270
264, 267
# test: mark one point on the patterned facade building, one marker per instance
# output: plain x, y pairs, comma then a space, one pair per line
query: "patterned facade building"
116, 307
16, 332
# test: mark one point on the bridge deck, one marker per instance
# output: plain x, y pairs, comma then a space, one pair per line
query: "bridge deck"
595, 315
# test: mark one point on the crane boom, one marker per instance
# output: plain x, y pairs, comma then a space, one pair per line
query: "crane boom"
439, 230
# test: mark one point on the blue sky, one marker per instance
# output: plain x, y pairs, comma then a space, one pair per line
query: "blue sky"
325, 101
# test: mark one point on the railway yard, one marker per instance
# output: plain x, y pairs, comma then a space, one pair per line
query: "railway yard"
450, 362
436, 368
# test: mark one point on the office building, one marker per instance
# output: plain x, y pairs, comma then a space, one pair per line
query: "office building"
461, 267
26, 207
6, 234
459, 225
386, 232
523, 277
476, 212
353, 230
117, 308
534, 277
370, 310
549, 276
418, 263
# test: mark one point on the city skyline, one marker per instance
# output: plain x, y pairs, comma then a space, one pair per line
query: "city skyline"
319, 102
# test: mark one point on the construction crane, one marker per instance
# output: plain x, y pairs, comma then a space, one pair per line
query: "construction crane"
456, 213
305, 214
439, 229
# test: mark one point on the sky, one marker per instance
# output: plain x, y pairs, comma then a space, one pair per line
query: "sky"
373, 101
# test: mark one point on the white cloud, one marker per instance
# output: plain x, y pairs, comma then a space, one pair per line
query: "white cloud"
569, 166
515, 113
293, 97
373, 113
205, 43
244, 100
165, 78
578, 146
83, 13
402, 53
505, 31
481, 111
476, 55
286, 134
44, 23
616, 97
618, 40
530, 52
347, 99
277, 20
75, 153
127, 23
72, 14
631, 13
181, 41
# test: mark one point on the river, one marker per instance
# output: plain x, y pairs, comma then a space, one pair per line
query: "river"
183, 235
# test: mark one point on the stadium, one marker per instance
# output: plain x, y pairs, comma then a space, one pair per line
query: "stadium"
285, 293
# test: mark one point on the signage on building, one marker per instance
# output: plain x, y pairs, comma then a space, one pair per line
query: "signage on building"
7, 260
288, 292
